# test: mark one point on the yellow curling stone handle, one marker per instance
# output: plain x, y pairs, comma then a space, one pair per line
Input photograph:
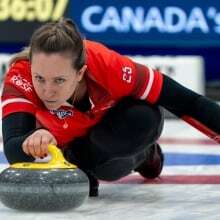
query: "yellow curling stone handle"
57, 161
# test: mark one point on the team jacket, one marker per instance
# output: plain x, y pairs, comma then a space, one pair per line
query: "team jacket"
110, 77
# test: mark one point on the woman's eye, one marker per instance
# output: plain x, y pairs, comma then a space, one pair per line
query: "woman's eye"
59, 81
39, 78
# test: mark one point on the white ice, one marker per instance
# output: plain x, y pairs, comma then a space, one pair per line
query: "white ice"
118, 201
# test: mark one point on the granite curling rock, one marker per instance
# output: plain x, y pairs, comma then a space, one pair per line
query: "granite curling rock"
56, 185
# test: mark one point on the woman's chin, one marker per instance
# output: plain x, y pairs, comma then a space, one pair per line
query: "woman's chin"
51, 106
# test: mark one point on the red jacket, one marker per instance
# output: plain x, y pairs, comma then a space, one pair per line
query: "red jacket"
110, 77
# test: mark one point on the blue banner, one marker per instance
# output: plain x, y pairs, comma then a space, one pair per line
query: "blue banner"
150, 23
119, 22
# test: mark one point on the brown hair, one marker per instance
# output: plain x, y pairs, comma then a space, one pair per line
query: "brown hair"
52, 37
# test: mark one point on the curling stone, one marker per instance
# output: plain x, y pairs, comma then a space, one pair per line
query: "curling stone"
52, 186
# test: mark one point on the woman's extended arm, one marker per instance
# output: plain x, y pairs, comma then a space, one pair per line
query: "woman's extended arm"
197, 110
16, 128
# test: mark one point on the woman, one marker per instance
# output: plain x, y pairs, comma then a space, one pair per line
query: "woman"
100, 108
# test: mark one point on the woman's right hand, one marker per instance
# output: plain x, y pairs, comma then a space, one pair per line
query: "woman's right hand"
36, 144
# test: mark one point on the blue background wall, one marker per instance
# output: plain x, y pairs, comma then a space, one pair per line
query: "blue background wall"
130, 27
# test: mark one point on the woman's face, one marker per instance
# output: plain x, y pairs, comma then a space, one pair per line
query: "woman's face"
54, 78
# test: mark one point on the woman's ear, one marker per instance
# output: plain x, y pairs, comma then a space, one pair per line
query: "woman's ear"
81, 72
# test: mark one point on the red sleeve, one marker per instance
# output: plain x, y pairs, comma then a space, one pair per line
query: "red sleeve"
121, 76
148, 83
18, 94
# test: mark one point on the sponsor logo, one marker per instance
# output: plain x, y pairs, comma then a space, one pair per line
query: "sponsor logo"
21, 82
61, 113
171, 19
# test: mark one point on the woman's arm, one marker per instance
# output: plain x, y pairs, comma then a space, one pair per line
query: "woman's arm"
197, 110
16, 128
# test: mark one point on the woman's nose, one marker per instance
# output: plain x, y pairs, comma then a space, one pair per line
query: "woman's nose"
49, 91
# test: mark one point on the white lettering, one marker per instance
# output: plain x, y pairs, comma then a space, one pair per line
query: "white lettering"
197, 20
111, 19
170, 14
172, 20
217, 27
19, 81
127, 74
131, 19
87, 19
154, 20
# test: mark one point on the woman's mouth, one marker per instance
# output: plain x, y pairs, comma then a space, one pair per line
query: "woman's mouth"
50, 101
